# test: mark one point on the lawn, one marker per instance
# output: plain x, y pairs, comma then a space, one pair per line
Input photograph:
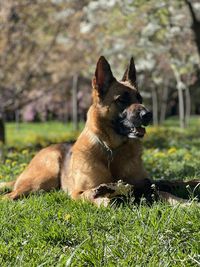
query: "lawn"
48, 229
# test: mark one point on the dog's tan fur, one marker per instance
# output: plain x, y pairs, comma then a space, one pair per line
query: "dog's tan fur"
99, 156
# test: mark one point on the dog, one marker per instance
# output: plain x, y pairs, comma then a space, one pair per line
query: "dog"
106, 160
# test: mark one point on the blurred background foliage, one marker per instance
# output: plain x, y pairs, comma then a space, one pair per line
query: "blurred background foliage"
49, 48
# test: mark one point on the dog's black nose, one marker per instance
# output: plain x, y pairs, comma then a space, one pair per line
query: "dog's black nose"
146, 117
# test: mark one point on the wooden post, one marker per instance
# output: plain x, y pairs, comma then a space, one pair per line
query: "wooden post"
75, 102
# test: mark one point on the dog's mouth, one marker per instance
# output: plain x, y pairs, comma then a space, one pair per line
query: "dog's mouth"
130, 130
137, 132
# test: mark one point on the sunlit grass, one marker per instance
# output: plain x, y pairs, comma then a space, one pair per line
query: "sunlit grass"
24, 134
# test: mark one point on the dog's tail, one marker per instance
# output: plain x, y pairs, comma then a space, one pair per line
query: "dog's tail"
7, 186
182, 189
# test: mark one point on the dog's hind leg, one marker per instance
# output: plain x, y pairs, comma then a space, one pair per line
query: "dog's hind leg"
42, 173
7, 186
172, 199
15, 194
181, 189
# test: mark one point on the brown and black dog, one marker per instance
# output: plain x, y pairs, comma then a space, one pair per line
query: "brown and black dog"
108, 149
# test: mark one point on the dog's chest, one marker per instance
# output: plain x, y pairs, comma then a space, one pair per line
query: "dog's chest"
126, 164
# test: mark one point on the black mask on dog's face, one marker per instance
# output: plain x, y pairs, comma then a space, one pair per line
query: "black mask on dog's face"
132, 119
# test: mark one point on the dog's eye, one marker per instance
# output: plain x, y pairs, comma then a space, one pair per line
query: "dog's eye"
122, 101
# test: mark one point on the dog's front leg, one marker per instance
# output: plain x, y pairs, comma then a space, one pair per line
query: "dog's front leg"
104, 193
91, 196
175, 192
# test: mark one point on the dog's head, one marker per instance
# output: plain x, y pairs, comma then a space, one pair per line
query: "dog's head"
119, 103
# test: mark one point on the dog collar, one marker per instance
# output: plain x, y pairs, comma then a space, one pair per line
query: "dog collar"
108, 150
103, 144
106, 147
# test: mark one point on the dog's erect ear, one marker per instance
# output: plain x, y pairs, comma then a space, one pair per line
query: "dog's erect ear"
130, 73
103, 76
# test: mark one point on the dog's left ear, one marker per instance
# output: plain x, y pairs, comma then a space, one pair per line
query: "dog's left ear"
130, 73
103, 76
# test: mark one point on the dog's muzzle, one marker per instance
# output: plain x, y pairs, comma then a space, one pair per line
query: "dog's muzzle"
138, 131
132, 125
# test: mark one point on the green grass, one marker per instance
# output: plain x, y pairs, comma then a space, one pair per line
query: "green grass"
49, 229
31, 134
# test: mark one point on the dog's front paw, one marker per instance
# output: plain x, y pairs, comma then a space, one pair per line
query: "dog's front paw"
104, 190
123, 188
112, 189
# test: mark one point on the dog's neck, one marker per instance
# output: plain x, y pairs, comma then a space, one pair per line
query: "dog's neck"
102, 143
95, 139
103, 130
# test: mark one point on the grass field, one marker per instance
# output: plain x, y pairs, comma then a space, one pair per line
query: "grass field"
48, 229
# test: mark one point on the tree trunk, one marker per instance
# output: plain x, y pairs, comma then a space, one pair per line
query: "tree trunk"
195, 24
187, 105
181, 107
180, 87
75, 101
17, 118
164, 105
155, 106
2, 131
